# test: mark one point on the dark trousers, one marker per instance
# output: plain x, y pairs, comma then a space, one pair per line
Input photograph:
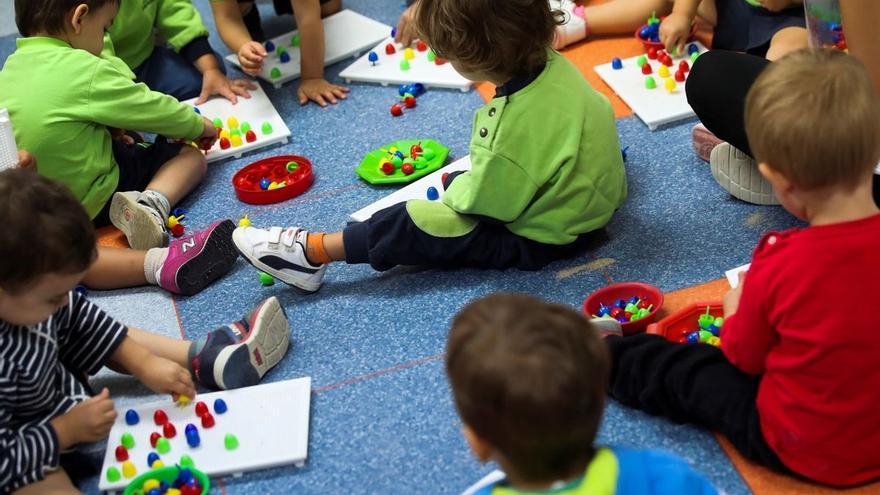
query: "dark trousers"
166, 71
690, 383
717, 88
390, 238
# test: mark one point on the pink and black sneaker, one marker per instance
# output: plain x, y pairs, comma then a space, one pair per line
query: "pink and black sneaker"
194, 262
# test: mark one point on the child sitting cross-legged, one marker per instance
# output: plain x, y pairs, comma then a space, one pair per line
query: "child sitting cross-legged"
546, 163
794, 384
529, 380
52, 338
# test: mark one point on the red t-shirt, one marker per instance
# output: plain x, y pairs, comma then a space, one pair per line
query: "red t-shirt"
807, 323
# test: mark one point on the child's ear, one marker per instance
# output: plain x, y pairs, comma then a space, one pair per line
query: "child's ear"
79, 14
777, 180
481, 448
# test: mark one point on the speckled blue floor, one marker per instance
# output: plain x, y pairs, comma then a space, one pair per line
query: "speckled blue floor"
382, 419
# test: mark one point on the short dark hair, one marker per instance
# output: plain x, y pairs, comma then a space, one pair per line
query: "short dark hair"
46, 230
34, 16
505, 37
530, 378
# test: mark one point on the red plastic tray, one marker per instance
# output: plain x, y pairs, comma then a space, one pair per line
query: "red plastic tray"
626, 290
247, 180
675, 326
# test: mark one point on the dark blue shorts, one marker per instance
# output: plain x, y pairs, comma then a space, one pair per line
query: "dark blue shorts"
743, 27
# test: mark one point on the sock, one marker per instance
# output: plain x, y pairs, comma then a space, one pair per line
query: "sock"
153, 262
315, 251
156, 201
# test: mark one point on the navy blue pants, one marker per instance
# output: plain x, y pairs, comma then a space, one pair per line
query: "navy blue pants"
166, 71
391, 238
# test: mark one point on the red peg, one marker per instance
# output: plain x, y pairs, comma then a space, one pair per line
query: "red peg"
652, 53
389, 49
627, 315
154, 437
646, 69
225, 144
160, 417
421, 46
667, 61
439, 61
396, 110
407, 169
443, 177
207, 420
679, 76
683, 66
414, 151
409, 102
201, 409
121, 454
387, 168
250, 137
178, 230
169, 430
841, 45
190, 490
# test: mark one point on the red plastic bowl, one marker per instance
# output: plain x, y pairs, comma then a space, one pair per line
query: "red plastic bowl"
625, 290
659, 45
677, 325
247, 180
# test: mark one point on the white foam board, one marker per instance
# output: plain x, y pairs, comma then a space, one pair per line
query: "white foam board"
415, 190
387, 69
733, 274
271, 423
656, 107
346, 34
254, 110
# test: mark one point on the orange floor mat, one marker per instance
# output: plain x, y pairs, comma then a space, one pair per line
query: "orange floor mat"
111, 237
760, 480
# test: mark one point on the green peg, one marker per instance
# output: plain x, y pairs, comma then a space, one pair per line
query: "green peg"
267, 128
275, 73
163, 446
186, 461
719, 322
235, 132
245, 127
706, 319
218, 123
694, 57
421, 163
280, 50
396, 161
634, 317
705, 336
230, 442
128, 441
291, 166
409, 161
294, 41
113, 474
642, 60
653, 19
431, 55
643, 313
404, 64
631, 308
650, 83
266, 280
428, 153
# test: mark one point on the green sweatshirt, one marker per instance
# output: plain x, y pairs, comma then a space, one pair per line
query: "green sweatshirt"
176, 21
545, 161
61, 101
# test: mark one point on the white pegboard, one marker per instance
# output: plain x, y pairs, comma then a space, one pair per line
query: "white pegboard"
255, 110
386, 70
346, 34
656, 107
271, 423
8, 150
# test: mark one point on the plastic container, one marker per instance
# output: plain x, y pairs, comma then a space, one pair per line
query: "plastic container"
675, 326
247, 180
657, 44
625, 290
168, 475
824, 24
8, 150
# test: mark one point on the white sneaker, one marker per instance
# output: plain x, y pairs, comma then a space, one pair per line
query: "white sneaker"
738, 174
574, 29
143, 226
280, 253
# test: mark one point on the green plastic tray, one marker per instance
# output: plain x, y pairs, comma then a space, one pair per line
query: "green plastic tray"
369, 167
167, 474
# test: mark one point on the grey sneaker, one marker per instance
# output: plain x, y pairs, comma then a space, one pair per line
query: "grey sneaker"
738, 174
143, 226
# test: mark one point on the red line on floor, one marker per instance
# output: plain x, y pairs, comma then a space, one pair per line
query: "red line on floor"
177, 315
384, 371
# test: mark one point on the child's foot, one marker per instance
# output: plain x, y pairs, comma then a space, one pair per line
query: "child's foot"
738, 174
704, 141
194, 262
575, 27
280, 253
239, 354
143, 226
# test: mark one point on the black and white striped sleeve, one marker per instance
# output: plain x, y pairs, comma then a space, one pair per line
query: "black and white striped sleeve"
87, 336
26, 452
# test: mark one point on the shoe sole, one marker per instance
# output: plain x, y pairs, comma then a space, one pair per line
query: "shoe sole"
737, 174
704, 142
264, 348
216, 258
138, 225
285, 277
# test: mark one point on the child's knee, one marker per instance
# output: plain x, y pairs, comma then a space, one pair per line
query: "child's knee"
331, 7
787, 40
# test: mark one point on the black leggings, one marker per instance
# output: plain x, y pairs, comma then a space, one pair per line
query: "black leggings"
716, 89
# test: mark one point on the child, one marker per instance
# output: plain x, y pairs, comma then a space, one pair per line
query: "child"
189, 68
529, 379
52, 338
546, 163
238, 23
794, 383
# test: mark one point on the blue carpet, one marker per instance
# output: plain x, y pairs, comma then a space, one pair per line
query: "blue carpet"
382, 418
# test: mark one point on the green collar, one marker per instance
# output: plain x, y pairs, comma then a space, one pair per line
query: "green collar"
600, 479
39, 41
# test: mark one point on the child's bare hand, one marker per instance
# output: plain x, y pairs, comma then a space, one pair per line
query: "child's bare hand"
121, 136
88, 421
26, 161
209, 135
777, 5
250, 56
675, 31
215, 83
320, 91
165, 376
731, 299
406, 30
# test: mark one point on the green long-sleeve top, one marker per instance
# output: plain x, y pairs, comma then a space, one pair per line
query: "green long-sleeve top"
175, 21
545, 161
61, 101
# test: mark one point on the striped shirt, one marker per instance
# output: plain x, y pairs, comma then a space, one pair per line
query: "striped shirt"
43, 369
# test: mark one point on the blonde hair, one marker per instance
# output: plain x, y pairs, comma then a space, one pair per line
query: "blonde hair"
814, 116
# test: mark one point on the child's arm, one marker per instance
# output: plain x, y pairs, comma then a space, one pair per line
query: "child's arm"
861, 18
312, 84
406, 30
157, 373
88, 421
747, 336
231, 28
676, 27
